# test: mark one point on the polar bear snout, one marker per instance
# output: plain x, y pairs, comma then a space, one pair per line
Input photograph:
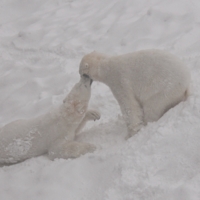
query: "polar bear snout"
86, 79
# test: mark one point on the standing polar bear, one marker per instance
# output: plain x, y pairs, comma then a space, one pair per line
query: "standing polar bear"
51, 133
145, 83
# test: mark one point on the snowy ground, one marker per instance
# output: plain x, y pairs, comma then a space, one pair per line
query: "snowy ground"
41, 45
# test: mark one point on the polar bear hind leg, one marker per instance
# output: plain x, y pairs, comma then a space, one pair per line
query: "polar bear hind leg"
157, 105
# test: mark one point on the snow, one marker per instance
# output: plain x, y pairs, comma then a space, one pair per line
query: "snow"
41, 45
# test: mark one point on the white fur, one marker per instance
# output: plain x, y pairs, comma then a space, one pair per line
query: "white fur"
145, 83
51, 133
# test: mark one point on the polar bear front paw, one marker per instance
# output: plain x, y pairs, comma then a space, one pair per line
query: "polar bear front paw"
132, 130
76, 149
93, 115
69, 149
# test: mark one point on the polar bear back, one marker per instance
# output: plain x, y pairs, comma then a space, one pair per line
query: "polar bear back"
151, 72
18, 138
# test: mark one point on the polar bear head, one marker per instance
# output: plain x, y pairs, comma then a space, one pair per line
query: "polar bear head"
90, 65
78, 98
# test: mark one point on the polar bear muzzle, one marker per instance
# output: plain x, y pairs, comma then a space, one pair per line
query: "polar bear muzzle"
86, 76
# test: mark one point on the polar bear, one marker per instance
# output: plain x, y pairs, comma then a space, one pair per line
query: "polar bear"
146, 83
52, 133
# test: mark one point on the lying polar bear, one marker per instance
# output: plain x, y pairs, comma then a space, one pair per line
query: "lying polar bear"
145, 83
51, 133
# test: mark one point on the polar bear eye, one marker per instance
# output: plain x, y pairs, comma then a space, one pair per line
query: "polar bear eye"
86, 65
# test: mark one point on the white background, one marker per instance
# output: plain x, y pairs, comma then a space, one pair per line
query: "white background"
41, 45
